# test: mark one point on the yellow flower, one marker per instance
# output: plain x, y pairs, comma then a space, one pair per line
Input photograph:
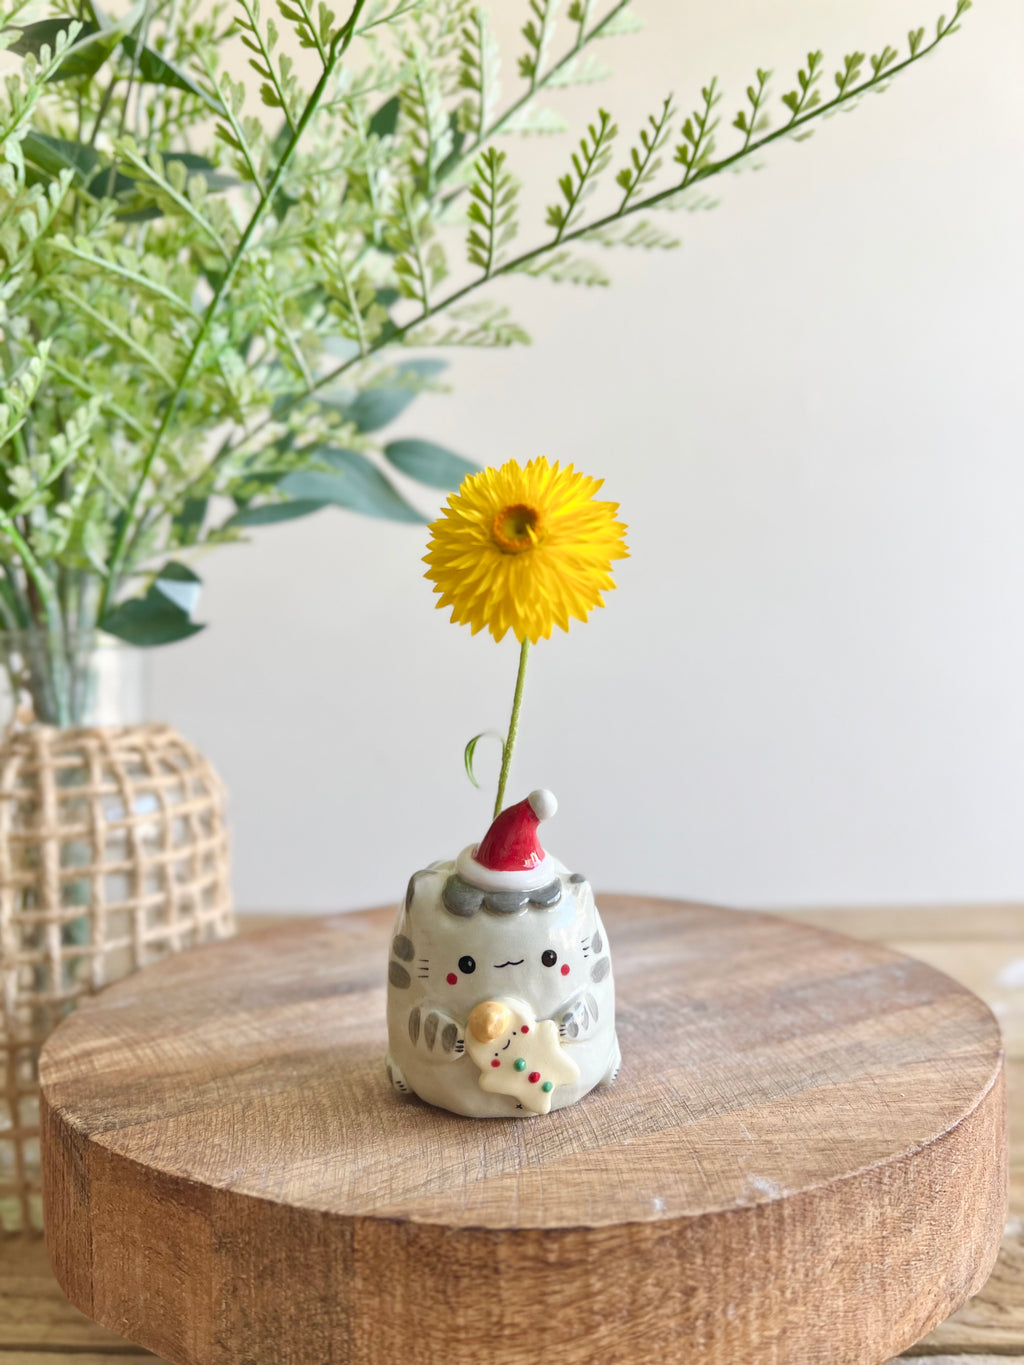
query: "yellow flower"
524, 549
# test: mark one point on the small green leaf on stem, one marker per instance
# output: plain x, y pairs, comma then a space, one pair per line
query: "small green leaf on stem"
470, 752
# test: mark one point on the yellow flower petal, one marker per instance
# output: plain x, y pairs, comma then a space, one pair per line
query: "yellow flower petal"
524, 549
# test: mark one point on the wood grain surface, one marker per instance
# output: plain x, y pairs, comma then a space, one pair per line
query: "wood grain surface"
804, 1160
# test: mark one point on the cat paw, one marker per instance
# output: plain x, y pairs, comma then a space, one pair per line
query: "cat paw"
578, 1019
611, 1074
396, 1078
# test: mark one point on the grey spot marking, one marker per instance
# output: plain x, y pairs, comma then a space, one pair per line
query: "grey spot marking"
460, 898
506, 902
598, 942
402, 947
430, 1030
572, 1028
592, 1006
577, 877
414, 1024
600, 969
546, 895
448, 1036
398, 976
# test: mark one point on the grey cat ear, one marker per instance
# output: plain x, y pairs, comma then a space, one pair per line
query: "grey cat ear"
426, 892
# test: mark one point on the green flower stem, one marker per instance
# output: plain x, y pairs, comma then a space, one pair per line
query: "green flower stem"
513, 727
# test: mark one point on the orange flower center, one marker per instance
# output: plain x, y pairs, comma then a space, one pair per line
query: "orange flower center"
516, 528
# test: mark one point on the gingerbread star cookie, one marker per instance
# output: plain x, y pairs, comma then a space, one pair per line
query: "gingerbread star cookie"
517, 1055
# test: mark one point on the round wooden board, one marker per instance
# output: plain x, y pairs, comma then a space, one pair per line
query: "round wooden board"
803, 1160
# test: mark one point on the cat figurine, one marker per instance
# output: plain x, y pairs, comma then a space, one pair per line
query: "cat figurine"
501, 1000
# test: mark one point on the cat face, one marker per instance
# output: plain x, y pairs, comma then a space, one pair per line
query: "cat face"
542, 955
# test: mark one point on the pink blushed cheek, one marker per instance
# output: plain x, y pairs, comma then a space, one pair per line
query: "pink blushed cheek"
525, 1028
565, 969
451, 978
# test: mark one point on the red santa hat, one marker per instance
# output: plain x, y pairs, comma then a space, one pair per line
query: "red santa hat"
510, 858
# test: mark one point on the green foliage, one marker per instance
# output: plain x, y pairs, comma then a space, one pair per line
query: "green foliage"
428, 463
757, 121
349, 480
695, 151
163, 616
206, 283
469, 754
644, 159
537, 31
594, 153
491, 211
479, 65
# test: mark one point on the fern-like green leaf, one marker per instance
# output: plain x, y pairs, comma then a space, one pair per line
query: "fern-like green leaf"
479, 71
807, 95
642, 234
563, 267
594, 153
754, 121
482, 324
644, 159
538, 32
491, 211
534, 118
697, 148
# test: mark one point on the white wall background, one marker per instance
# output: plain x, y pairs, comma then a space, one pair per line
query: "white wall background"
809, 686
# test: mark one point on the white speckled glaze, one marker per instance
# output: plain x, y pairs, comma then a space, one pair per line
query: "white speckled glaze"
428, 1014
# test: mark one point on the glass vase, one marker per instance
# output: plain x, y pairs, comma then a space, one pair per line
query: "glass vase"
113, 853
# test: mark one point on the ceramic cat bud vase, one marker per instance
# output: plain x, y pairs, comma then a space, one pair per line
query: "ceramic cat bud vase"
501, 1002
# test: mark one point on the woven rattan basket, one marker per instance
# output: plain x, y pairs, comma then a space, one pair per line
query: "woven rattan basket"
113, 853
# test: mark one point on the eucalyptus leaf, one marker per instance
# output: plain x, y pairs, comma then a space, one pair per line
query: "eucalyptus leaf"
149, 621
429, 463
159, 70
32, 38
125, 188
351, 482
86, 55
272, 512
188, 524
216, 179
92, 47
180, 585
56, 154
377, 407
385, 120
163, 615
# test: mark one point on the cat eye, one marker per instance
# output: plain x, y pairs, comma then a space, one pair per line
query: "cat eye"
467, 965
549, 957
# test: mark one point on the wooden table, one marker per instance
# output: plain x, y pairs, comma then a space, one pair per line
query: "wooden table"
983, 947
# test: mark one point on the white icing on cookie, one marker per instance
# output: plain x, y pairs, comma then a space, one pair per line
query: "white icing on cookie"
517, 1054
